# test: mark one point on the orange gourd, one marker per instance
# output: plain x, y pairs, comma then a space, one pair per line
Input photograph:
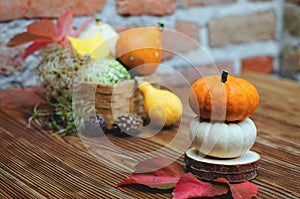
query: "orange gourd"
231, 99
140, 49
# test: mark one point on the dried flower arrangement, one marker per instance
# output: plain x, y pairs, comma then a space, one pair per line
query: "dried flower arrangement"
64, 52
88, 53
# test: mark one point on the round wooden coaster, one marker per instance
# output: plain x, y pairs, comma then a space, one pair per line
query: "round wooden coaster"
235, 170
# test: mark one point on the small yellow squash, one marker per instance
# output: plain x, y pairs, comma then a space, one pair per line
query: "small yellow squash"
162, 106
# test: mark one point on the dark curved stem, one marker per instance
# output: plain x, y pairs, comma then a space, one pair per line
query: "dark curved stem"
224, 76
98, 20
160, 26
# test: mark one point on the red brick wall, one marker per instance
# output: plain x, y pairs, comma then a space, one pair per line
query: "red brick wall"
290, 55
15, 9
242, 29
148, 7
245, 34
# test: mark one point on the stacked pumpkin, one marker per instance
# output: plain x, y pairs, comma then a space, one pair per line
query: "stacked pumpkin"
222, 128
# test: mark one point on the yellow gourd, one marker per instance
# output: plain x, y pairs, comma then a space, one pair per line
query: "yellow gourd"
105, 31
162, 106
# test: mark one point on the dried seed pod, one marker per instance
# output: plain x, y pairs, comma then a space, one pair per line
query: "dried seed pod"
128, 124
92, 124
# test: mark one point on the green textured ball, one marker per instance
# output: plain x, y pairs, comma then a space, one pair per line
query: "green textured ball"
106, 71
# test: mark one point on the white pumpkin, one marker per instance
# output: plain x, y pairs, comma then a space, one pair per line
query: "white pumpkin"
223, 140
106, 32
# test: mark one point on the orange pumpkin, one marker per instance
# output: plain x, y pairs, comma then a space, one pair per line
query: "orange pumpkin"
140, 48
231, 99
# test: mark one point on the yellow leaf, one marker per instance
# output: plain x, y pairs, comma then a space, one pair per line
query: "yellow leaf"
96, 47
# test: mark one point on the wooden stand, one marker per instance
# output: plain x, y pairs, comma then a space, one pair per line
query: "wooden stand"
235, 170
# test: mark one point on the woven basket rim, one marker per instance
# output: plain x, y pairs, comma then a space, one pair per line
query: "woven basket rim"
110, 85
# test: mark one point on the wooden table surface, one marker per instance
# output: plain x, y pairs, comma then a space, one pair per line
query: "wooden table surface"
36, 164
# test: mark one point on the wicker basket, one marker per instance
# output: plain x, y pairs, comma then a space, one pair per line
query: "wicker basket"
112, 101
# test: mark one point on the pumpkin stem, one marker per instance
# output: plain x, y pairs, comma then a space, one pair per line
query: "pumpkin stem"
160, 26
224, 76
98, 20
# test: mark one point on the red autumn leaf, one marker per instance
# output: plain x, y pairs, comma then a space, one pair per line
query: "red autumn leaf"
44, 32
153, 181
45, 28
164, 178
190, 187
242, 190
26, 37
64, 24
34, 47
